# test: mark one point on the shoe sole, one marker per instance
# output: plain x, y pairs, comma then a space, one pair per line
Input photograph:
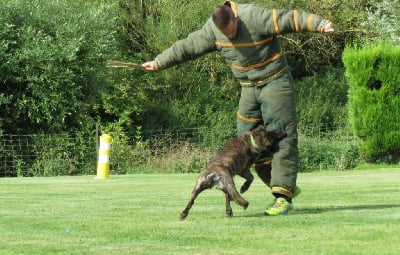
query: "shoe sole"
281, 214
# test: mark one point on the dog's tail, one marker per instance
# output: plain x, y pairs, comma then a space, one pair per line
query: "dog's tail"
235, 195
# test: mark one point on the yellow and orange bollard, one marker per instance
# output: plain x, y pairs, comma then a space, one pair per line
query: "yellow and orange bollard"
103, 163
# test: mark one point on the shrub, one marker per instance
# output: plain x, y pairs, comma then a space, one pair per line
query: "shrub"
62, 154
374, 101
321, 98
324, 149
50, 54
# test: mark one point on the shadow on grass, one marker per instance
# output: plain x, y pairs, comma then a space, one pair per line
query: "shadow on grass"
318, 210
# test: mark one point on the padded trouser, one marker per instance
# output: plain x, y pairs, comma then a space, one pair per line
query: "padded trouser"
263, 170
274, 106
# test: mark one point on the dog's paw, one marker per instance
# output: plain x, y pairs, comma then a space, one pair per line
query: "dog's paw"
243, 189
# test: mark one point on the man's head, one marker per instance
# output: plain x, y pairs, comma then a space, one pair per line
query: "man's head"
226, 21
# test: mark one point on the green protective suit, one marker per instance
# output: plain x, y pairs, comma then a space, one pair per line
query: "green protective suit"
256, 60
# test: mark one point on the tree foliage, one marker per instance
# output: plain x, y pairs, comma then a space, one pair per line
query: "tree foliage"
52, 62
50, 55
53, 78
383, 18
322, 99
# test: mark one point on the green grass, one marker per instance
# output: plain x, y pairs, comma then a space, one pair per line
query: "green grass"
353, 212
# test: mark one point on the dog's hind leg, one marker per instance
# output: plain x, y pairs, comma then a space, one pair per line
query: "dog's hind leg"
195, 193
246, 174
205, 181
230, 188
228, 200
185, 212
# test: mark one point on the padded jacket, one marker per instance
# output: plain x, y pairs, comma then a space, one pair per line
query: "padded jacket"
254, 55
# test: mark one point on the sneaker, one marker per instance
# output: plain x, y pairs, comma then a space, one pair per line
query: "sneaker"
296, 192
281, 207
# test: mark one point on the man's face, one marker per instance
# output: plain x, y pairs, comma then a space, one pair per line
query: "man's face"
230, 31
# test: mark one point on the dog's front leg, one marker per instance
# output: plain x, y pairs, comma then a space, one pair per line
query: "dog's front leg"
246, 174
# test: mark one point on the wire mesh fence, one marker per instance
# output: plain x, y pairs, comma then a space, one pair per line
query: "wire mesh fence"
43, 154
76, 154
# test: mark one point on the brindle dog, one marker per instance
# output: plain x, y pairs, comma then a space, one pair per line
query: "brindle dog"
234, 158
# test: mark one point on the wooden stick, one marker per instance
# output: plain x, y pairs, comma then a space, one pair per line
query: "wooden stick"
116, 64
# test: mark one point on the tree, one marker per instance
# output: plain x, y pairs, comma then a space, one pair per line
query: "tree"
50, 55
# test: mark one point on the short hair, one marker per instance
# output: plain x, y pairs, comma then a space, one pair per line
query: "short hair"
222, 15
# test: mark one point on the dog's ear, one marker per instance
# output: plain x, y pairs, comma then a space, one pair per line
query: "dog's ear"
259, 128
259, 131
276, 136
267, 139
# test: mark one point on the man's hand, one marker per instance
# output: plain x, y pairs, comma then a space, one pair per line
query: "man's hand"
151, 66
328, 28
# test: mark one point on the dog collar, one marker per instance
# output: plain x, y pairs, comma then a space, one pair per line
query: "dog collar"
253, 143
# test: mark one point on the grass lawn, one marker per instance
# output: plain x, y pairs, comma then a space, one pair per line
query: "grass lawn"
352, 212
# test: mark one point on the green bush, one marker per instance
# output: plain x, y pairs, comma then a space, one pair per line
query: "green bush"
50, 56
321, 98
127, 152
374, 101
62, 154
327, 154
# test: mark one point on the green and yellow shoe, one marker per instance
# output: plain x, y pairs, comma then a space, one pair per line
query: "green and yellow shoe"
281, 207
296, 192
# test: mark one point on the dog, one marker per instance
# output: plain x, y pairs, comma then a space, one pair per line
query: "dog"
234, 158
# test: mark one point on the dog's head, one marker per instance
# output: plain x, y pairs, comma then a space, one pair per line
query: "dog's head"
266, 140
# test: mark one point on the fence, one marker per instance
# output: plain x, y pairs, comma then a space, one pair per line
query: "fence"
72, 154
41, 154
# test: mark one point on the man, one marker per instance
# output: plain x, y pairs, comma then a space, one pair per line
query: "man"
246, 35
